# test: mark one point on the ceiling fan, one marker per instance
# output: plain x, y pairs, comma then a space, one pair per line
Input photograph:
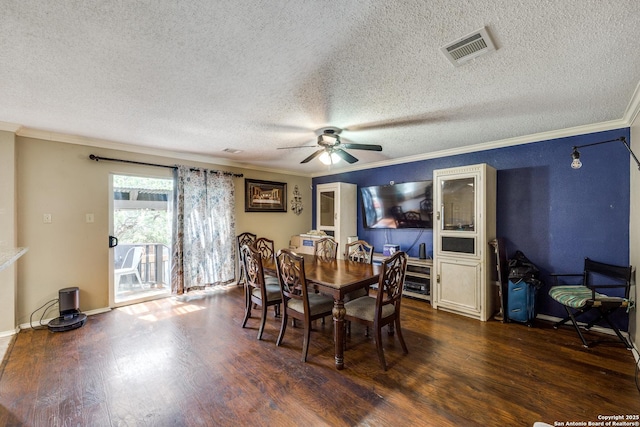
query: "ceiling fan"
333, 148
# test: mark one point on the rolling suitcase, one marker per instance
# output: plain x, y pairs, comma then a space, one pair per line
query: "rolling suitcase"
521, 302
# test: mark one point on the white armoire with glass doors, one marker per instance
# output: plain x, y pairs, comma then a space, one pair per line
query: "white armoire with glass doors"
336, 212
465, 222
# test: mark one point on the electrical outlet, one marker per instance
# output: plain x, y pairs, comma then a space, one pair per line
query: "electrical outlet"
46, 218
89, 217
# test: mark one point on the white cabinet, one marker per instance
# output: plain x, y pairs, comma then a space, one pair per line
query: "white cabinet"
459, 286
336, 211
465, 222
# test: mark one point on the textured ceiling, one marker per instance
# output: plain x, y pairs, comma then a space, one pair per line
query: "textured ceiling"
201, 76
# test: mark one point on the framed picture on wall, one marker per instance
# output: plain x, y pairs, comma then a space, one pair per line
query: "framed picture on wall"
264, 196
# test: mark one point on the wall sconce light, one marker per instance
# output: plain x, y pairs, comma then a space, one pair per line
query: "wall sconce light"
575, 154
576, 163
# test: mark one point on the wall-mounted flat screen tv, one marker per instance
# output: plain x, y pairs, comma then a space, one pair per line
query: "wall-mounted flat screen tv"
405, 205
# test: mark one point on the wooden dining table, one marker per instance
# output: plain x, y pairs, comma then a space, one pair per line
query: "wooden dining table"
335, 278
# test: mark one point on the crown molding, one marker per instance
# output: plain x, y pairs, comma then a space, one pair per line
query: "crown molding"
633, 109
9, 127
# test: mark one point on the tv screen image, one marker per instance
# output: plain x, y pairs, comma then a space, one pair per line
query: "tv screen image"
404, 205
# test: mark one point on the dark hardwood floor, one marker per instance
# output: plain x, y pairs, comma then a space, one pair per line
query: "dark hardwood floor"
189, 362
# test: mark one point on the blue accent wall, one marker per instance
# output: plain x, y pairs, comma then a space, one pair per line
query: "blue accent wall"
554, 214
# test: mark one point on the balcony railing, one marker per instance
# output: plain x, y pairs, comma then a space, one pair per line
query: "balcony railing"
154, 266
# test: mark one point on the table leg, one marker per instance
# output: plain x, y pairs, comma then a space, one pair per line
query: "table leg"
338, 334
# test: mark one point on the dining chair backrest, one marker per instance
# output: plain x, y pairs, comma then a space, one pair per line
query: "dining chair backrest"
359, 251
326, 248
253, 267
243, 239
390, 283
265, 247
293, 282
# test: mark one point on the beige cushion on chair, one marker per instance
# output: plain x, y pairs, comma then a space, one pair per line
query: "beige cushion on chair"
317, 304
269, 280
273, 292
365, 308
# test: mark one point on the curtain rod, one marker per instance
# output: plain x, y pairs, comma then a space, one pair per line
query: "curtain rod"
97, 158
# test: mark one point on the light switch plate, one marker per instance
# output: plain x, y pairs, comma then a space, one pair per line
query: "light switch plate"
89, 217
46, 218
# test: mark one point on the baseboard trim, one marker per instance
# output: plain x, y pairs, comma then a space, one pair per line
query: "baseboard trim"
26, 326
9, 332
595, 328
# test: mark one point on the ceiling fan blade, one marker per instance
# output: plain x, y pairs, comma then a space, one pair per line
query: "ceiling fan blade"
370, 147
345, 156
313, 156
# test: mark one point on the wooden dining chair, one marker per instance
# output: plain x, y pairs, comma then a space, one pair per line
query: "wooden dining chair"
384, 308
298, 302
326, 248
243, 239
257, 291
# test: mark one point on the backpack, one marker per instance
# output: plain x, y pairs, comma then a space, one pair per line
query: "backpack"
522, 269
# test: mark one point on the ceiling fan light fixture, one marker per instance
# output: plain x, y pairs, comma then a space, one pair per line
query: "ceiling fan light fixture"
329, 158
328, 139
332, 150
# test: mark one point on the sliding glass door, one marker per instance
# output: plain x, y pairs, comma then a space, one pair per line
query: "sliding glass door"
141, 217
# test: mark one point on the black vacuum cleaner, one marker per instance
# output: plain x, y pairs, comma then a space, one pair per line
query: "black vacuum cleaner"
70, 315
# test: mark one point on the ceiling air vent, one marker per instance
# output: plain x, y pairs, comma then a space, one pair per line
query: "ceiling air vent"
468, 47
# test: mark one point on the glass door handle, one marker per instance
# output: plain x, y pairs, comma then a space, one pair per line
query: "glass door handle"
113, 242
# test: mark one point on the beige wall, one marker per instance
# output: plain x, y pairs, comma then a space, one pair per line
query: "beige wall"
59, 179
8, 239
634, 229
